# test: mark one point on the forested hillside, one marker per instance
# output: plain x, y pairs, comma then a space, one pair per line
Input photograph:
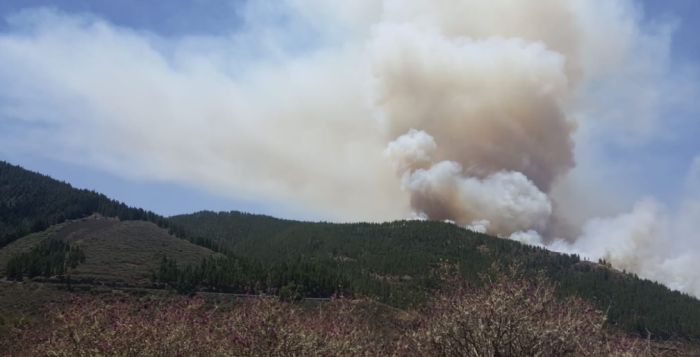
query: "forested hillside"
399, 263
31, 202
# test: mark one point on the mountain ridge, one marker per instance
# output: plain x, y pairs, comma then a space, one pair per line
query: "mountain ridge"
397, 263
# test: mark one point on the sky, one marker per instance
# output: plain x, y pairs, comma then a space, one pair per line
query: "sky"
664, 159
566, 124
187, 18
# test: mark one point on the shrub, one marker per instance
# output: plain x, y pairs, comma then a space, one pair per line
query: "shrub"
190, 327
509, 316
514, 316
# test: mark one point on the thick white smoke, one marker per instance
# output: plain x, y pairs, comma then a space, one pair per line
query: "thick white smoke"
650, 240
463, 110
503, 202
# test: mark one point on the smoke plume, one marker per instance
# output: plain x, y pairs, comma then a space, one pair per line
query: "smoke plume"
502, 203
492, 104
490, 114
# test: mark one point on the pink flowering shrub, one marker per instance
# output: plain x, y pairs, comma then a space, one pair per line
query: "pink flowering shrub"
514, 316
511, 316
190, 327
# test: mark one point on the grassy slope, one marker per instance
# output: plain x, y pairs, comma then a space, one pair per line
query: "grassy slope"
115, 251
123, 251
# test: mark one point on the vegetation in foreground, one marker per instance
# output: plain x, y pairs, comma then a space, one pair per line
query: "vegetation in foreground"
511, 316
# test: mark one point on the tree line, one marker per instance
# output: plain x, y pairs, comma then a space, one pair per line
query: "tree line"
235, 275
49, 258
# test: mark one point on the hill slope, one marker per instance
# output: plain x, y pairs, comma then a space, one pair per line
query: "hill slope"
126, 251
397, 262
31, 202
116, 252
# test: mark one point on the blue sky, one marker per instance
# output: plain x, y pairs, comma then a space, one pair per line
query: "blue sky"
660, 171
686, 44
164, 17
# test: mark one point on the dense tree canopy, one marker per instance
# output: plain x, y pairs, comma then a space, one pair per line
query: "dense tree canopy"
51, 257
399, 263
31, 202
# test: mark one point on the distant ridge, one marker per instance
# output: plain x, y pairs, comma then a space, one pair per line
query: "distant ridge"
31, 202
